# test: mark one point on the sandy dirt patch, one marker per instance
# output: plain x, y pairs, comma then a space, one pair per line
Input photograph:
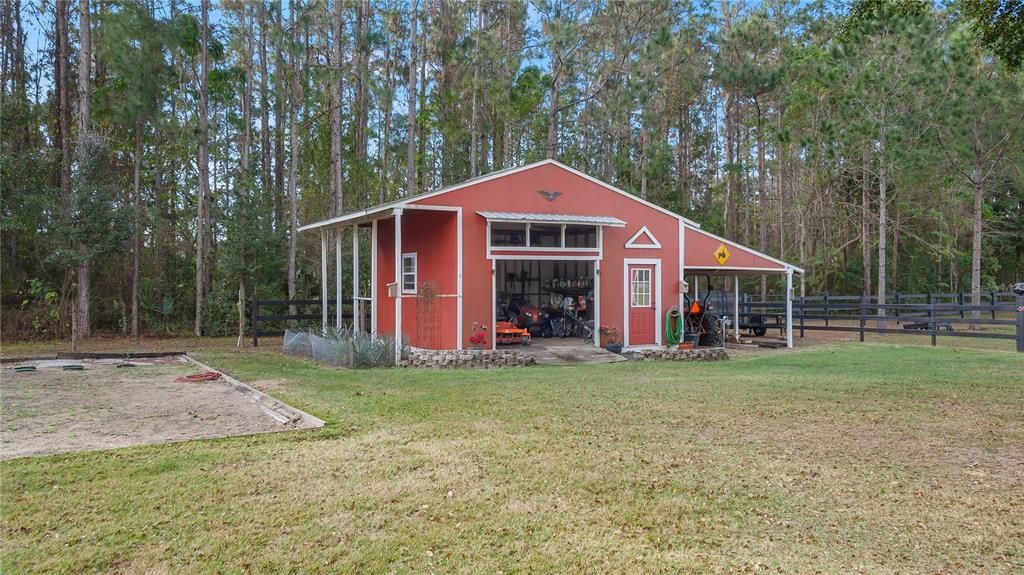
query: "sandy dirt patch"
104, 406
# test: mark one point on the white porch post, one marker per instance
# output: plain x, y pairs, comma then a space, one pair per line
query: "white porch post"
789, 308
337, 278
373, 277
736, 308
323, 279
597, 303
356, 304
494, 293
398, 286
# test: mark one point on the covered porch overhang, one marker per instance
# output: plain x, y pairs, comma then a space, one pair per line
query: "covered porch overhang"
353, 223
737, 272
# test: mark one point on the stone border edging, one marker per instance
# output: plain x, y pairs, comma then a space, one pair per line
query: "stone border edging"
466, 359
706, 354
282, 412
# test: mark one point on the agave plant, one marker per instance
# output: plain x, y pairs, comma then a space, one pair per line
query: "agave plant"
358, 349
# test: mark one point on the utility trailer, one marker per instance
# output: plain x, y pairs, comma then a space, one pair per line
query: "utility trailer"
758, 324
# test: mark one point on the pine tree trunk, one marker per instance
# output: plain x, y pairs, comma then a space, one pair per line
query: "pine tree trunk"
421, 123
84, 69
552, 147
203, 161
976, 217
265, 151
337, 203
683, 156
865, 221
136, 227
245, 185
385, 141
883, 227
62, 139
474, 128
84, 125
363, 19
410, 169
643, 159
730, 160
280, 120
781, 187
762, 195
293, 167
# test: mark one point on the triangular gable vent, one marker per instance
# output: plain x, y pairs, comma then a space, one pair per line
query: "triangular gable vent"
643, 239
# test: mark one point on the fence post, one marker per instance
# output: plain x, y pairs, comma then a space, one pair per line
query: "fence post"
992, 299
860, 312
931, 317
1020, 322
960, 302
802, 302
899, 300
826, 309
255, 328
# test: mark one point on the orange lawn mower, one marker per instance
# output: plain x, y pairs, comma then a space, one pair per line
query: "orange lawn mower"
506, 332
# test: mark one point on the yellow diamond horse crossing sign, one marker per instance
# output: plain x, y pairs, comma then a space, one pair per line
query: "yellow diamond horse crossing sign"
722, 254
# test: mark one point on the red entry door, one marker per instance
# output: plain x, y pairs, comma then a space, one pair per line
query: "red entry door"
641, 304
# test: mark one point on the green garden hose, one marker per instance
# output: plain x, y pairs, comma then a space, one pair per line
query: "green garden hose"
673, 327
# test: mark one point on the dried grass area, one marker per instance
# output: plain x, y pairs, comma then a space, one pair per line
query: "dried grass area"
837, 459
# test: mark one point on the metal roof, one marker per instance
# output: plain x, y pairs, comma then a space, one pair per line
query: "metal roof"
553, 219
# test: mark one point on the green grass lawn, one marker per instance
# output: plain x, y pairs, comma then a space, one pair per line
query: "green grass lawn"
838, 459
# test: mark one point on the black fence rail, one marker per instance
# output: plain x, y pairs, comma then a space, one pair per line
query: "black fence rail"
988, 298
279, 315
934, 315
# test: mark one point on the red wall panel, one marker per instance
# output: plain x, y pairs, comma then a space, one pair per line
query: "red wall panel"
432, 235
701, 248
518, 192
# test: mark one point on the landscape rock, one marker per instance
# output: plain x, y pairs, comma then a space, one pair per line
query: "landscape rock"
467, 358
675, 354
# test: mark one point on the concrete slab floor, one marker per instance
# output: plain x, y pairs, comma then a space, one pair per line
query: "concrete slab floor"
565, 351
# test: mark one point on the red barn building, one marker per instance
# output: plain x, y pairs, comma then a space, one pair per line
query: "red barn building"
445, 261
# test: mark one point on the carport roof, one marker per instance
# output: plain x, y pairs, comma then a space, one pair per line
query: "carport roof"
552, 219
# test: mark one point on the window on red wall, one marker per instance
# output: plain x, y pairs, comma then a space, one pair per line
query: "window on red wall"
580, 236
508, 235
409, 273
545, 236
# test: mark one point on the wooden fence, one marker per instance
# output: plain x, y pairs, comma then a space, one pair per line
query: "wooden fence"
931, 314
279, 315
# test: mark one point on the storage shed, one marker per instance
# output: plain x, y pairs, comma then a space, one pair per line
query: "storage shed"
444, 263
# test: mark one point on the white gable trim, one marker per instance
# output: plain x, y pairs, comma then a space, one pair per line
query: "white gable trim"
382, 210
621, 192
643, 231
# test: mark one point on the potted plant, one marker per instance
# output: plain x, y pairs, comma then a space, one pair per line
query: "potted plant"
479, 338
612, 338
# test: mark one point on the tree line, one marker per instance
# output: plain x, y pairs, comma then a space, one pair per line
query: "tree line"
158, 155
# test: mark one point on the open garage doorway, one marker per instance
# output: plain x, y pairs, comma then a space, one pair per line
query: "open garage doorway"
554, 300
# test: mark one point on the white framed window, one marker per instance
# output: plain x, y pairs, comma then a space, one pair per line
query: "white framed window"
640, 287
577, 236
409, 273
508, 234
